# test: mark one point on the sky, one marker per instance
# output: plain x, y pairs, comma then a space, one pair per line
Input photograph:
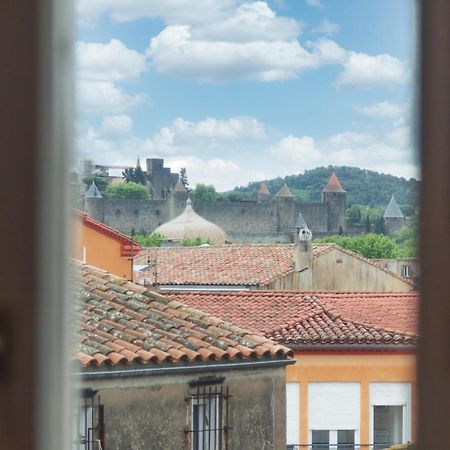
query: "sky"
240, 91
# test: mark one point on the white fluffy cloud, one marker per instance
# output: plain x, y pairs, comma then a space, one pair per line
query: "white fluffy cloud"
176, 52
116, 126
361, 70
100, 70
104, 97
108, 62
383, 109
326, 27
298, 150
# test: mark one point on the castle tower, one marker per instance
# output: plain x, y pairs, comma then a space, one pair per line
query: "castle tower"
94, 203
263, 193
285, 209
393, 216
336, 199
303, 254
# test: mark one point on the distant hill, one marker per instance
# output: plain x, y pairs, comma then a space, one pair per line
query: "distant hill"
364, 187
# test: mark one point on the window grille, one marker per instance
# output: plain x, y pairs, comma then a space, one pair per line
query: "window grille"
208, 416
89, 424
406, 271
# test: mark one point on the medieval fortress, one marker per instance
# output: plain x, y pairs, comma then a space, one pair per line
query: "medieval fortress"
267, 219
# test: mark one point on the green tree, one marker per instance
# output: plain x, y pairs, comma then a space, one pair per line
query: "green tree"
184, 179
101, 182
128, 190
406, 238
203, 193
368, 245
195, 242
380, 226
354, 214
136, 175
150, 240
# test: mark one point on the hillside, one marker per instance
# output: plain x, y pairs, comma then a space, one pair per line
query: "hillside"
364, 187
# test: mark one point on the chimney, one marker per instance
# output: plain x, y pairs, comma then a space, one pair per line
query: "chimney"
303, 254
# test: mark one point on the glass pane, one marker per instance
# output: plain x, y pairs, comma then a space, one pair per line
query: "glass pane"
346, 439
387, 426
320, 439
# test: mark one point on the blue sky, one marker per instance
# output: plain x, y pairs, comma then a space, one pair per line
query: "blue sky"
240, 91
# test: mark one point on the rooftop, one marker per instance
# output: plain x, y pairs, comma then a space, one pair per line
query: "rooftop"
393, 210
190, 225
284, 192
319, 318
118, 322
333, 185
228, 265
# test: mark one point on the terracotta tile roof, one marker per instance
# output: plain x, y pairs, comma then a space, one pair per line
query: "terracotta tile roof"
333, 185
236, 264
302, 318
108, 231
121, 322
263, 189
228, 265
284, 192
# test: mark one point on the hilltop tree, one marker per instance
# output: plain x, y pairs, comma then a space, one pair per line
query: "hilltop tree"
184, 179
135, 175
129, 190
204, 193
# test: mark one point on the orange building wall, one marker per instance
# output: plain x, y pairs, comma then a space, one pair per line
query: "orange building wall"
362, 368
102, 251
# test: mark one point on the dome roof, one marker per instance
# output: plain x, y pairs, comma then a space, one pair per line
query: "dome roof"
189, 225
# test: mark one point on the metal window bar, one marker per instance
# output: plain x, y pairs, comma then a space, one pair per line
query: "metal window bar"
208, 424
89, 430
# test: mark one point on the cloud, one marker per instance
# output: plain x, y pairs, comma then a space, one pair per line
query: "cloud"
116, 126
361, 70
221, 173
176, 52
299, 150
100, 69
315, 3
171, 11
250, 22
383, 109
326, 27
100, 97
108, 62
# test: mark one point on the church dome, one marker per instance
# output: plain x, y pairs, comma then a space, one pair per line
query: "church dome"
190, 225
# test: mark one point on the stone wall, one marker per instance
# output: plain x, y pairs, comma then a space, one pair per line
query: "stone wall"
152, 412
243, 221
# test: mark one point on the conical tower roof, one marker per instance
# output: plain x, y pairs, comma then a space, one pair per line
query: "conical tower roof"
300, 222
393, 210
284, 192
190, 225
93, 192
333, 185
263, 189
179, 186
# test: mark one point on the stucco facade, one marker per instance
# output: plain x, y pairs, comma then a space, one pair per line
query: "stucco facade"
152, 412
367, 372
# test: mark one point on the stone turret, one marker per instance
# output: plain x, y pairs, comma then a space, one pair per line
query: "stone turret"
285, 209
93, 192
336, 199
263, 193
393, 217
303, 255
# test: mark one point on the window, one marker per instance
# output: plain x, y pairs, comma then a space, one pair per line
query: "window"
387, 425
208, 415
332, 439
89, 424
406, 271
390, 413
